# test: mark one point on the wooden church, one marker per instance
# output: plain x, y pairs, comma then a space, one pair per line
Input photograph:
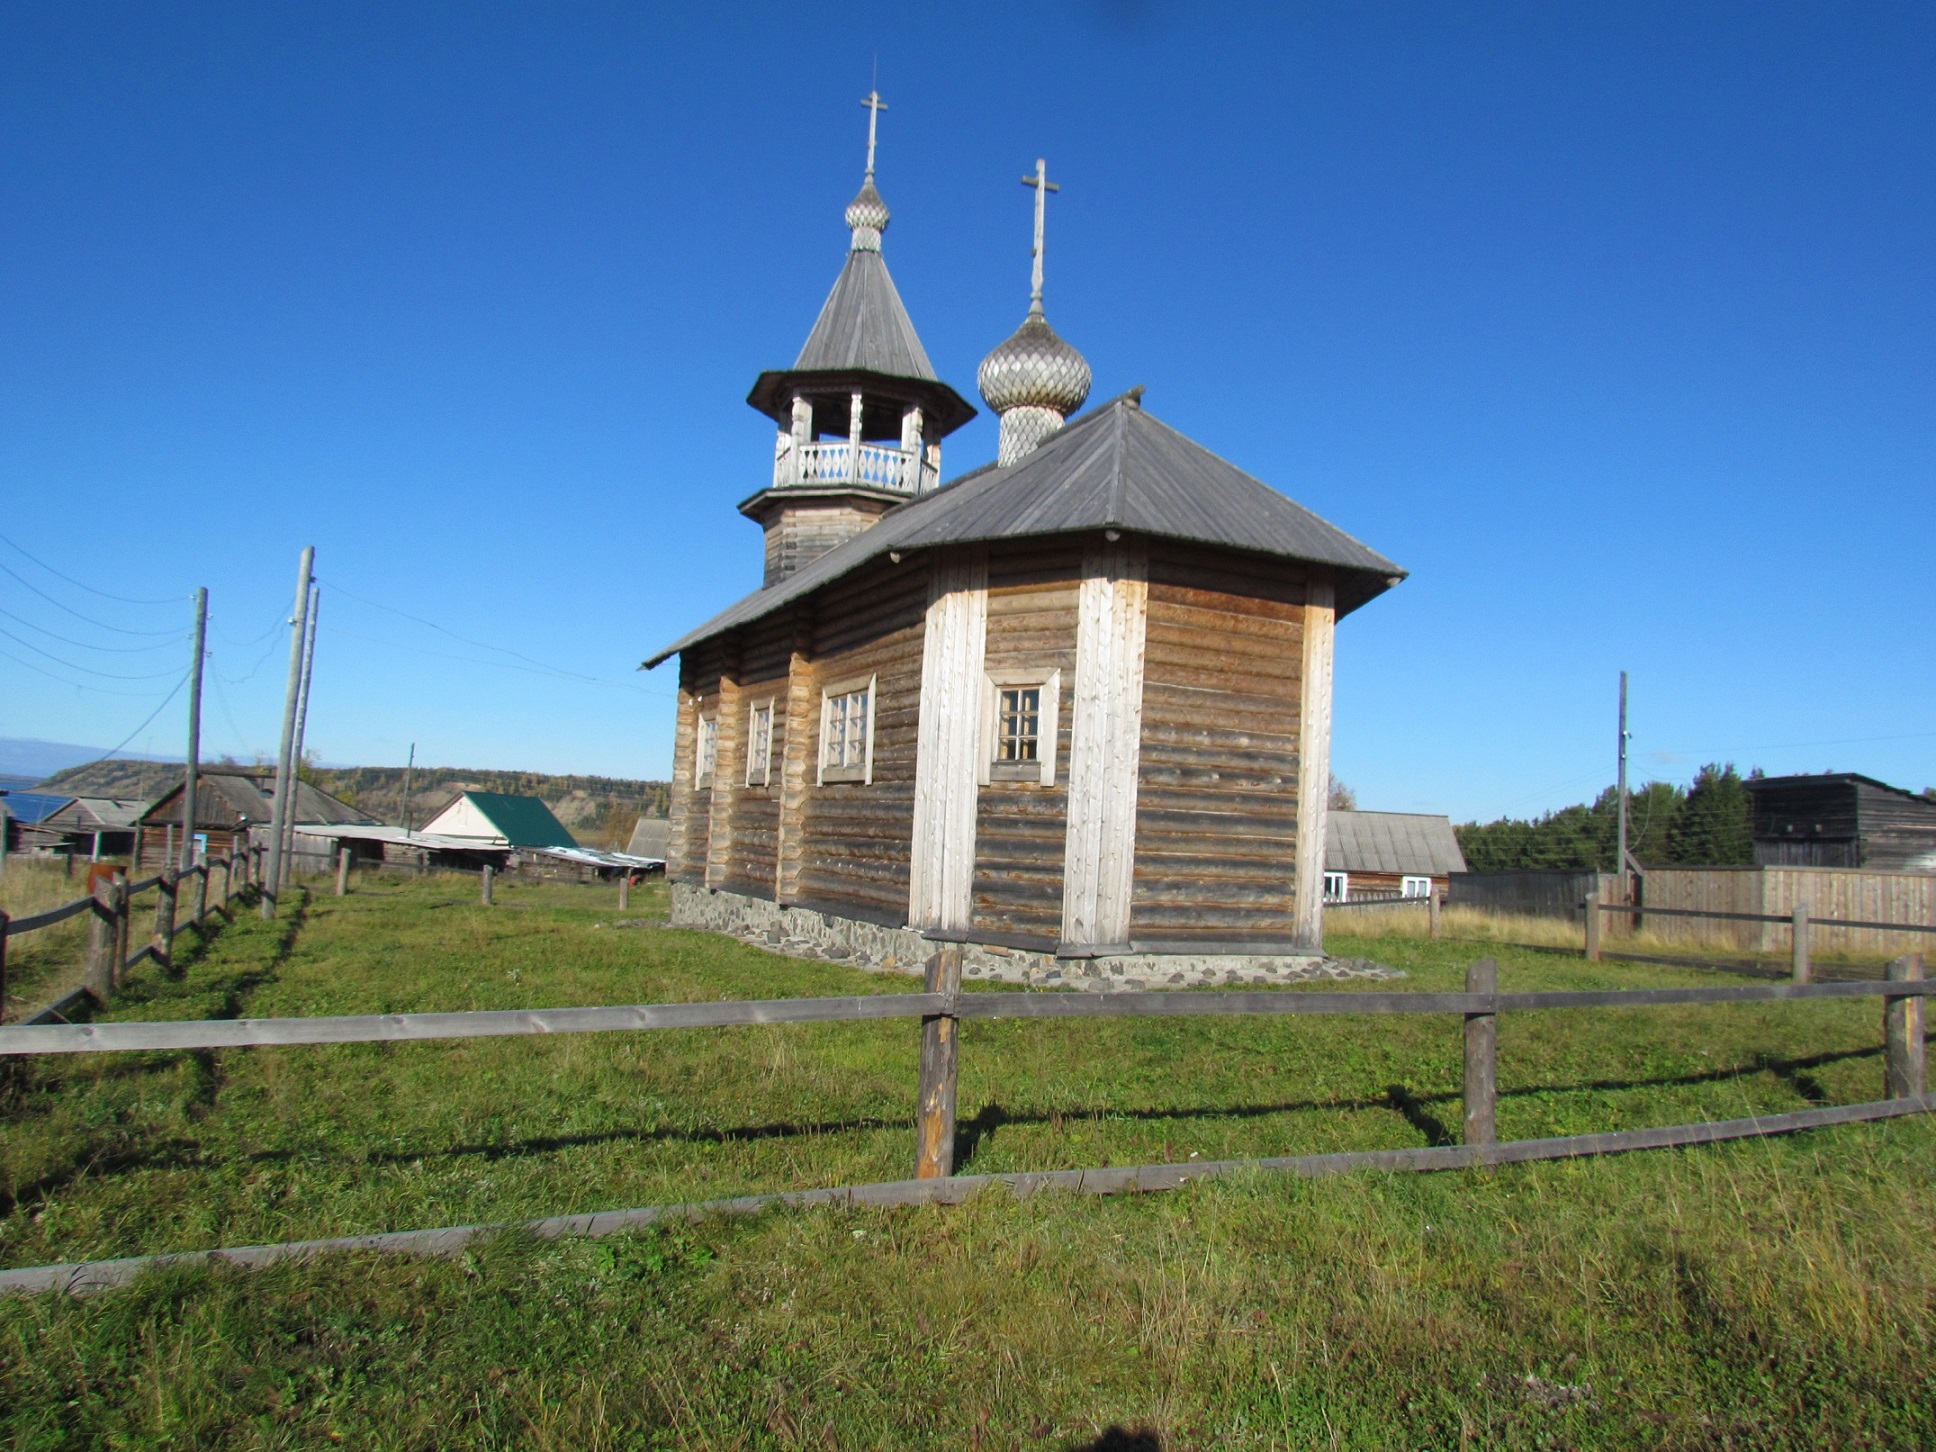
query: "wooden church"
1075, 701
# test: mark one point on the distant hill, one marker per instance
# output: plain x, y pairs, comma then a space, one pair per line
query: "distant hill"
35, 759
598, 810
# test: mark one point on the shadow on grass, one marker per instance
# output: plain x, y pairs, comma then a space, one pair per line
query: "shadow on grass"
1118, 1439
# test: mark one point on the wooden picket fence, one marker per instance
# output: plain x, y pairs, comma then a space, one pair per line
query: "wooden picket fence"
110, 900
942, 1007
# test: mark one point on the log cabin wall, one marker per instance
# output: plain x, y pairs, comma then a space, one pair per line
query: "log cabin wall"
854, 836
689, 839
1021, 824
749, 863
1217, 793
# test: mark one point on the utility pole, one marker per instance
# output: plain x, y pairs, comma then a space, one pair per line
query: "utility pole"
302, 728
194, 730
299, 629
1620, 851
409, 767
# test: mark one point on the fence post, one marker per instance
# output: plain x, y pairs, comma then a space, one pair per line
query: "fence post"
1593, 925
123, 917
484, 876
934, 1155
342, 872
624, 891
164, 938
1438, 904
1905, 1068
201, 891
98, 976
1481, 1057
1799, 944
4, 920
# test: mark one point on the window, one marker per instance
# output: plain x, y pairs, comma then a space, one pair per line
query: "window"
1416, 886
707, 750
1019, 710
1337, 887
1018, 723
759, 743
847, 732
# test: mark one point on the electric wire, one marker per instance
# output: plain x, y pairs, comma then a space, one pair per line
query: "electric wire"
60, 605
84, 645
543, 672
465, 640
80, 584
139, 729
85, 670
77, 685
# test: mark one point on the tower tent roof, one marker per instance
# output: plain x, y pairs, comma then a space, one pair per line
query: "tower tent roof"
865, 325
1116, 467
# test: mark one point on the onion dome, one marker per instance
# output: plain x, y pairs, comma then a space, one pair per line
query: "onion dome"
867, 214
1034, 369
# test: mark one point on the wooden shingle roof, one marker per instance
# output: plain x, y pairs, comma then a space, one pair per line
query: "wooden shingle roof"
1116, 467
864, 324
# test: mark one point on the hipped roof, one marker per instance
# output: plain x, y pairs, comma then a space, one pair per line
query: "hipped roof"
1116, 467
864, 324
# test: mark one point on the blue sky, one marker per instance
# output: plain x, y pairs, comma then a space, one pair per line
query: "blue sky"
1612, 324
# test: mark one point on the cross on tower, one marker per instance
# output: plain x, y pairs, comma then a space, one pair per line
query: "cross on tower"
1043, 186
875, 105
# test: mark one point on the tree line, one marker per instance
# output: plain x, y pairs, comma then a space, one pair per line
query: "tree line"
1710, 824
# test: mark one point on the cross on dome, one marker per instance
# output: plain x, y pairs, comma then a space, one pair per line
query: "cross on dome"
875, 105
867, 214
1043, 186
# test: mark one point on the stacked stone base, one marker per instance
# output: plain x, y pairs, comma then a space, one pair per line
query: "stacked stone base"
830, 938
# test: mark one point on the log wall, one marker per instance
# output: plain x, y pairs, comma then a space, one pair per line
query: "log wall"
1216, 834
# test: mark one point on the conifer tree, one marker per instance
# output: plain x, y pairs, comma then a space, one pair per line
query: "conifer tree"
1715, 827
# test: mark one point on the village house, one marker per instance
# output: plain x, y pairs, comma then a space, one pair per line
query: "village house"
1841, 819
1075, 703
1388, 854
230, 803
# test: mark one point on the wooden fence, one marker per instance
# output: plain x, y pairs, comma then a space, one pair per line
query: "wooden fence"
942, 1007
110, 900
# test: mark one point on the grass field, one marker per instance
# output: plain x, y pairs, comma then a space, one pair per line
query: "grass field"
1768, 1294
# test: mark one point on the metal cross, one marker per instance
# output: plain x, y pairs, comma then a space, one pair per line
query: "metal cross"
875, 105
1043, 186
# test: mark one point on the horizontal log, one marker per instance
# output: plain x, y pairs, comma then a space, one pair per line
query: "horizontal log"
47, 919
1813, 922
82, 1277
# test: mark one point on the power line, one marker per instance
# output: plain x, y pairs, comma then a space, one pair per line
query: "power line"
85, 670
82, 644
77, 685
543, 671
80, 584
60, 605
139, 729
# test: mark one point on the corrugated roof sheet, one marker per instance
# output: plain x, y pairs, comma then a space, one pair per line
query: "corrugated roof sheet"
1391, 842
864, 325
524, 821
1114, 468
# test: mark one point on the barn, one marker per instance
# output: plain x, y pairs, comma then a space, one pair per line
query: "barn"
1841, 819
230, 803
1074, 703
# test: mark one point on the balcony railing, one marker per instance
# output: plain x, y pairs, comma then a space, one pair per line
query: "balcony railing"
838, 461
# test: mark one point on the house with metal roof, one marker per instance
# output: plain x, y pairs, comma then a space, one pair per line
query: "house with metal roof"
1388, 854
231, 802
499, 819
1076, 702
93, 827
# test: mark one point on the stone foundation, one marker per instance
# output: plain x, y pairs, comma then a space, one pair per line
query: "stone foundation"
829, 938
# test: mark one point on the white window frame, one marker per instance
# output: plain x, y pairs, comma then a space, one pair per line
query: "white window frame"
862, 774
759, 764
705, 748
1048, 725
1414, 886
1337, 887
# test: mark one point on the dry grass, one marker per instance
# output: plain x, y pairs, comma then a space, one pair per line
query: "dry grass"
44, 964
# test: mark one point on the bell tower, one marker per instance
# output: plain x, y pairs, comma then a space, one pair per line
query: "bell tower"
861, 414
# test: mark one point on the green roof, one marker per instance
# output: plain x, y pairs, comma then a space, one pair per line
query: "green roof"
524, 821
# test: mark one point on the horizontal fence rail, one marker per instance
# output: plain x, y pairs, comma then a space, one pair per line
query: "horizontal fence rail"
504, 1023
1641, 910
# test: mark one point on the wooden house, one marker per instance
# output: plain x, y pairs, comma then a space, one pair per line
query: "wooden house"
230, 803
1077, 701
91, 827
1840, 819
1388, 854
499, 819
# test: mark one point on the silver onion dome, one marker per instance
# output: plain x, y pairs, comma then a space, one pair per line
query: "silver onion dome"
1034, 369
867, 214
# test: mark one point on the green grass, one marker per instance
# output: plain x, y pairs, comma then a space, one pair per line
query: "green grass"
1769, 1294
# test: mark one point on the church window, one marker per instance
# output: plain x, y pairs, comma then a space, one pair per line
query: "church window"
847, 732
759, 744
707, 753
1019, 719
